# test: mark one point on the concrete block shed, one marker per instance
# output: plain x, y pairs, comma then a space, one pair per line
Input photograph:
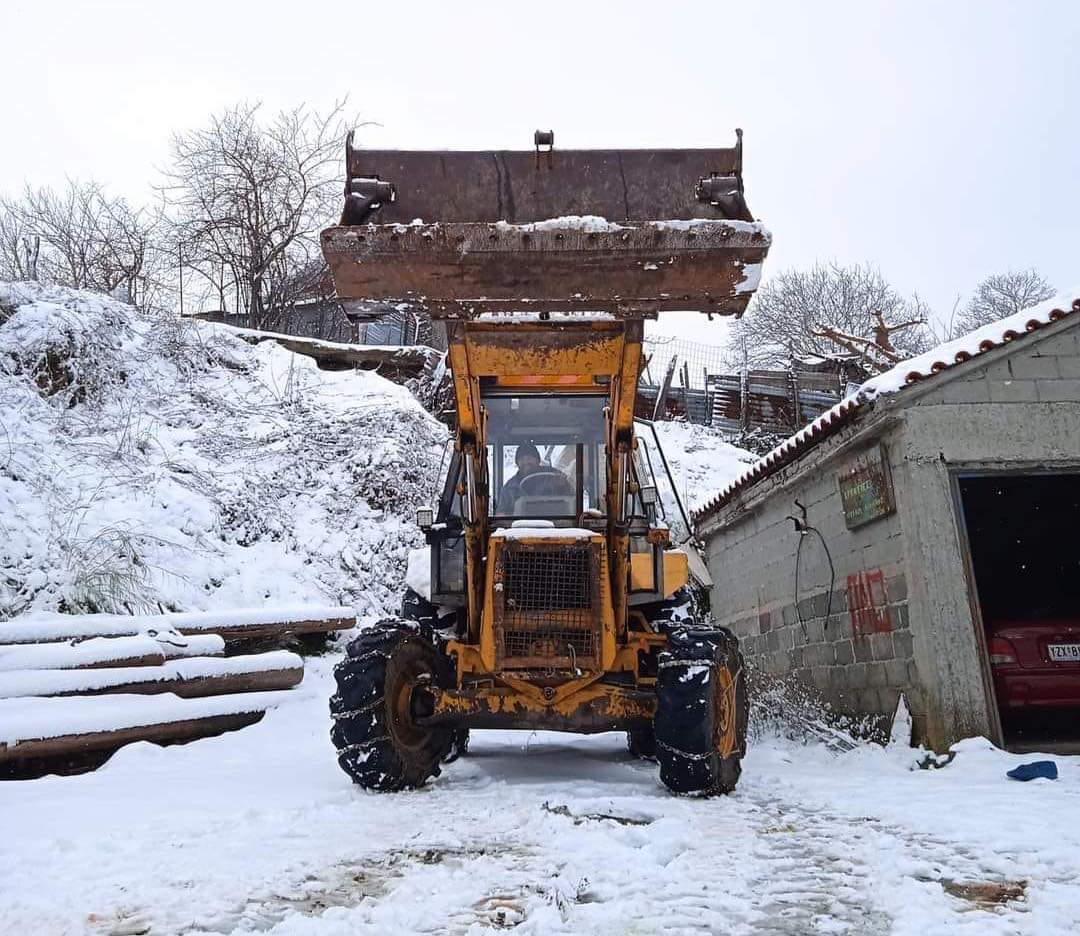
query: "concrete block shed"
875, 552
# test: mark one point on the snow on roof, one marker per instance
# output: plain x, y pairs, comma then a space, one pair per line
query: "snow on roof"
903, 375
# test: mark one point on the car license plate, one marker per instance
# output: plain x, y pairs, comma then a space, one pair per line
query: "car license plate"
1064, 653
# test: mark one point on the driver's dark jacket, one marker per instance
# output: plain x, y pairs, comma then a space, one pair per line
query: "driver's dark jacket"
509, 493
511, 490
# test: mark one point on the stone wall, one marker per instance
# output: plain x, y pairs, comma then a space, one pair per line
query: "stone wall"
847, 634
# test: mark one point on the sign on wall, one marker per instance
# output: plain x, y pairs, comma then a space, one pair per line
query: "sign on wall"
866, 490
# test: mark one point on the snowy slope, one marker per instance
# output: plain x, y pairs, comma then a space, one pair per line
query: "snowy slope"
162, 465
154, 464
701, 461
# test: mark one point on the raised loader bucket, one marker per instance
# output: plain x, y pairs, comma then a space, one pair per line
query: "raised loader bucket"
629, 232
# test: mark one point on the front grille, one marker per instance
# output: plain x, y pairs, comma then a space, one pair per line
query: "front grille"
546, 608
549, 643
547, 580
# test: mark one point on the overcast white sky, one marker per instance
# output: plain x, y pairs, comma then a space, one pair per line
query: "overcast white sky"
940, 141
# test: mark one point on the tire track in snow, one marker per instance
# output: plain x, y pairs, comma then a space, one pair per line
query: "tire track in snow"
814, 878
826, 872
559, 837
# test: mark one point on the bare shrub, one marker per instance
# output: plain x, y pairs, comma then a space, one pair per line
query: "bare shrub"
108, 574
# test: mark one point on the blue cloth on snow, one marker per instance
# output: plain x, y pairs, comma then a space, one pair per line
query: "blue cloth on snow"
1035, 770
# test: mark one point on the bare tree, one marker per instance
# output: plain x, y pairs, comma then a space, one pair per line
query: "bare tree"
20, 248
81, 237
1003, 294
246, 199
829, 310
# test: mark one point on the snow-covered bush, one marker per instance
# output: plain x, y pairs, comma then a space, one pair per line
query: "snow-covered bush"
68, 344
148, 463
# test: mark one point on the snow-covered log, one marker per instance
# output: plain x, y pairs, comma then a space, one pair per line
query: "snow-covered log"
35, 729
235, 624
177, 646
134, 651
190, 678
392, 361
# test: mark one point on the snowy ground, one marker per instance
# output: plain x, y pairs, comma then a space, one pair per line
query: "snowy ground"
260, 831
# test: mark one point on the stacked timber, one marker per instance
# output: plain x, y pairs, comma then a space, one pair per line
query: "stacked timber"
73, 689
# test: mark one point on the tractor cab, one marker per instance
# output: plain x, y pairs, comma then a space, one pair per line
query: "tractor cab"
547, 468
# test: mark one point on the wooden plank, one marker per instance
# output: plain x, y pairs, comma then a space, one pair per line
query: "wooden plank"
665, 388
189, 678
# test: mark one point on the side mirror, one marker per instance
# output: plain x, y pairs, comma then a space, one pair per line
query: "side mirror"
425, 517
647, 493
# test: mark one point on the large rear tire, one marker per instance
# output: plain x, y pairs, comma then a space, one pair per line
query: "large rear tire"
702, 711
379, 744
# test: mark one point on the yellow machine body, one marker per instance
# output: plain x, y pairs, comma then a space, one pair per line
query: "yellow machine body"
552, 667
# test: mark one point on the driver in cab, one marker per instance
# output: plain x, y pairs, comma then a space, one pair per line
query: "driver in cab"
547, 480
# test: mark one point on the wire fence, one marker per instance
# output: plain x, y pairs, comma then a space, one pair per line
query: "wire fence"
694, 361
699, 382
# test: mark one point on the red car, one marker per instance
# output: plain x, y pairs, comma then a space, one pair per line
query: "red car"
1036, 662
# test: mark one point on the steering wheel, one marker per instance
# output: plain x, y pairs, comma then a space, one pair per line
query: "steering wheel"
545, 482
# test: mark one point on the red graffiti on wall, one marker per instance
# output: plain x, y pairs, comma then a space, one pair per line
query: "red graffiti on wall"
868, 603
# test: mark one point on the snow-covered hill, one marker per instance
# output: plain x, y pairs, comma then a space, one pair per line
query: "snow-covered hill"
701, 462
151, 463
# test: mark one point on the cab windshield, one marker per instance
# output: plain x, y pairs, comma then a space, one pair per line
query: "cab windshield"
545, 457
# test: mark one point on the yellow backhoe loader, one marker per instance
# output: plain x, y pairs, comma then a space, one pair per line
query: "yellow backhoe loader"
557, 596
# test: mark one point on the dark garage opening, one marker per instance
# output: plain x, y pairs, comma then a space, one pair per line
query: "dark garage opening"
1024, 535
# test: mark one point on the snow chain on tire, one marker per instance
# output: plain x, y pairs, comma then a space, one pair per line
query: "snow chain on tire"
641, 742
702, 711
376, 746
